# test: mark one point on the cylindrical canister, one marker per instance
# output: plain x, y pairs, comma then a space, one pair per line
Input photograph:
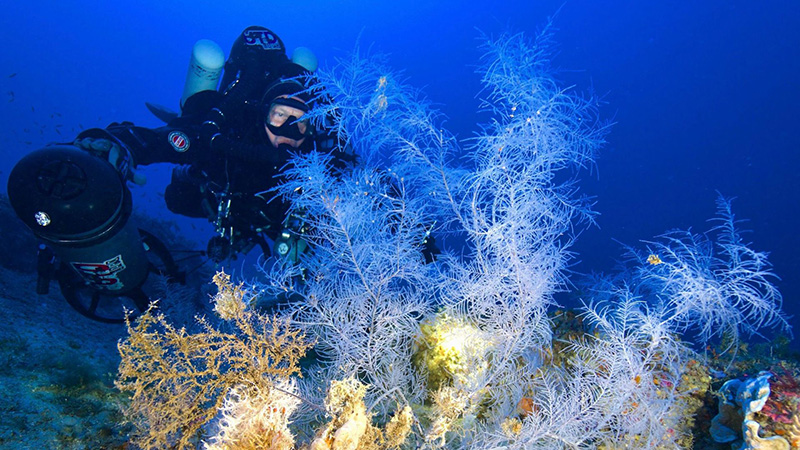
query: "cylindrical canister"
78, 205
205, 68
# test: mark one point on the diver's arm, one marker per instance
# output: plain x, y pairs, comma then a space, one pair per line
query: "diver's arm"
179, 145
178, 142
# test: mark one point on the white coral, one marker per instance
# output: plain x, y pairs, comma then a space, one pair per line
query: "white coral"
350, 433
258, 416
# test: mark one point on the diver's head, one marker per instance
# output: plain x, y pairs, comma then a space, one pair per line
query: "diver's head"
253, 54
283, 106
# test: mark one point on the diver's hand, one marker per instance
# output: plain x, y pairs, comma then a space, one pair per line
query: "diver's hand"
118, 156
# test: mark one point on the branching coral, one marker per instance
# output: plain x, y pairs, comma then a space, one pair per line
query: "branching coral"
369, 288
715, 286
622, 385
370, 285
644, 362
718, 286
369, 297
178, 381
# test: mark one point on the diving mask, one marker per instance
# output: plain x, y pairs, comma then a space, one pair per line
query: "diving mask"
283, 117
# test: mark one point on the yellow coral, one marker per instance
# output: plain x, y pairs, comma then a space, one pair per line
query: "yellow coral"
511, 427
179, 380
345, 402
349, 435
451, 350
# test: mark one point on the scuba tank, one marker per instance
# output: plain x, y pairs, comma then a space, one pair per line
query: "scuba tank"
305, 58
80, 207
205, 69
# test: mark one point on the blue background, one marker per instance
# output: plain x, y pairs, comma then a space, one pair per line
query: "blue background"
704, 94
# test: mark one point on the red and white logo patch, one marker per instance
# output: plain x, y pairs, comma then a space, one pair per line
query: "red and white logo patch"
179, 141
104, 275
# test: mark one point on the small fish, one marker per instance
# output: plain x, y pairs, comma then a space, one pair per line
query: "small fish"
654, 260
28, 142
33, 109
12, 75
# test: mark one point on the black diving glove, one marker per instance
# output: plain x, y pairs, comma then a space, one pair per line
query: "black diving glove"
114, 153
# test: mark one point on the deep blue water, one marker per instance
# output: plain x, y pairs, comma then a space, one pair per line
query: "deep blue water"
704, 94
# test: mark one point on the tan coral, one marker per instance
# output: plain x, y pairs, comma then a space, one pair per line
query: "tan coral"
399, 428
322, 442
794, 430
753, 441
345, 403
350, 427
229, 301
348, 436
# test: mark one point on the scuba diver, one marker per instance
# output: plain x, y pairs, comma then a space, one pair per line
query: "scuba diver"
231, 146
230, 142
